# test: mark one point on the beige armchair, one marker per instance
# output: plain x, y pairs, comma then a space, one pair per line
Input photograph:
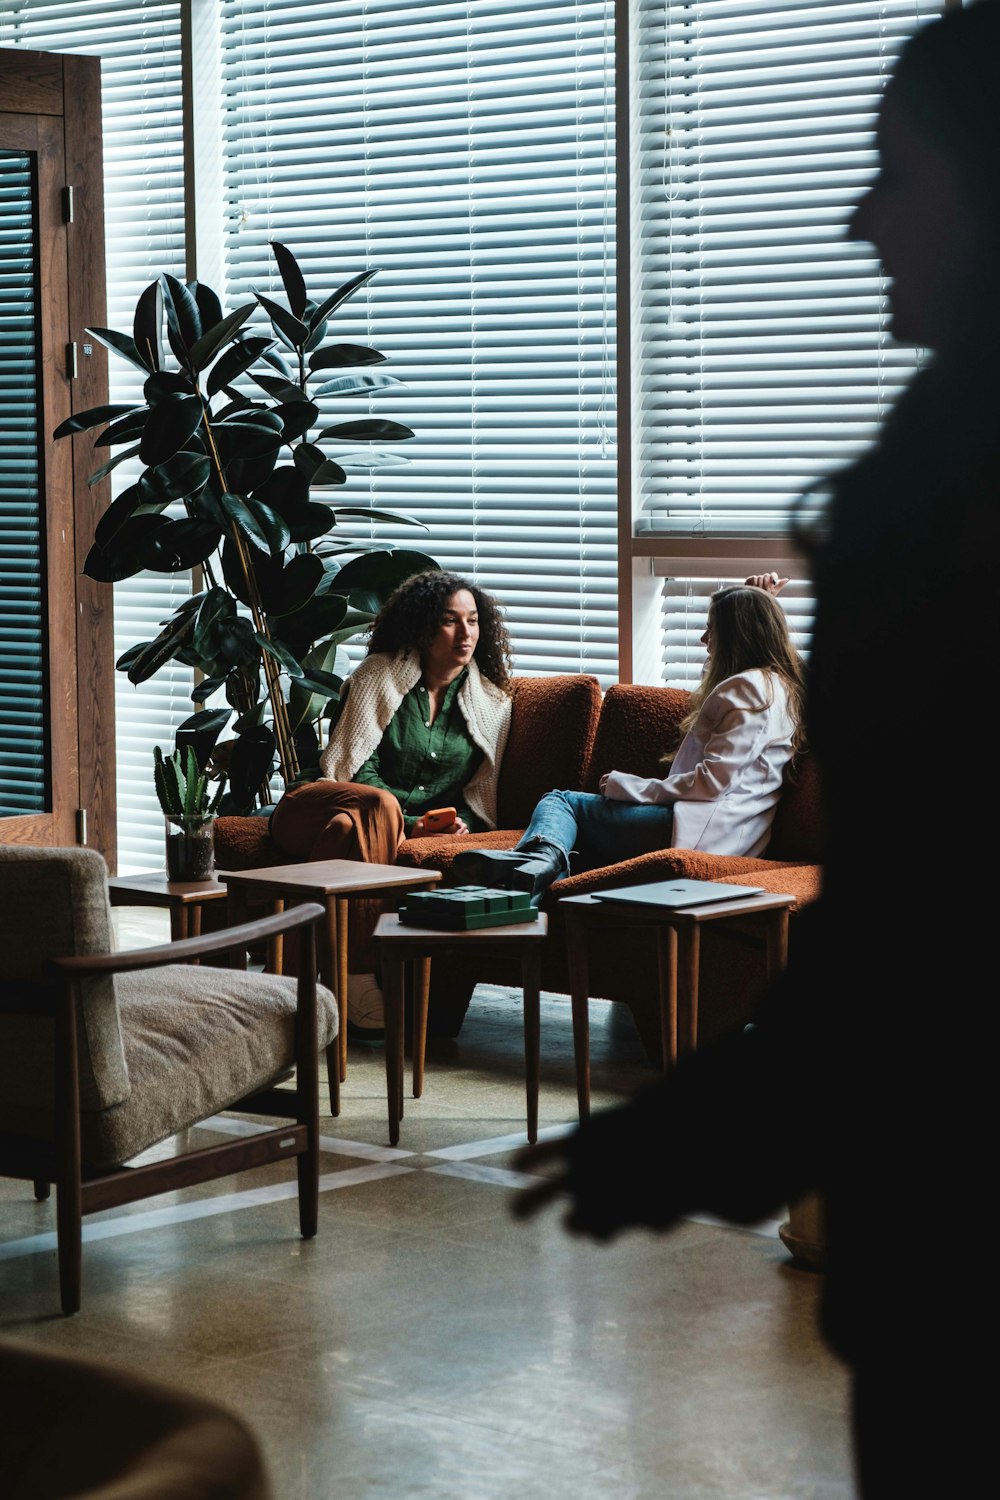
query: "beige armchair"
103, 1055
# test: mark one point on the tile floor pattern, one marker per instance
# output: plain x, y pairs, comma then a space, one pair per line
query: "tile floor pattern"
425, 1343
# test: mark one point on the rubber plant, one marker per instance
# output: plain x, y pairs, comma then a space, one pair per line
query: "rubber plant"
238, 463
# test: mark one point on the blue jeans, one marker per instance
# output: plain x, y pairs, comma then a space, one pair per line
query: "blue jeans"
601, 832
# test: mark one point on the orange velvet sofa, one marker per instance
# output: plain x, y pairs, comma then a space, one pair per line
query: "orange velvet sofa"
563, 734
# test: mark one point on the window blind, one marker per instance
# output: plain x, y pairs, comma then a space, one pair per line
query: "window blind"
466, 150
23, 713
139, 44
763, 356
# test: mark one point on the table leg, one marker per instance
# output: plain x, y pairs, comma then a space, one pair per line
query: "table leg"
275, 961
421, 1006
666, 960
236, 915
776, 953
194, 922
688, 967
341, 986
178, 923
392, 989
531, 979
578, 962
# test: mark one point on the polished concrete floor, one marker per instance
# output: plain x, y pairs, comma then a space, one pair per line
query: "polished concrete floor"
427, 1344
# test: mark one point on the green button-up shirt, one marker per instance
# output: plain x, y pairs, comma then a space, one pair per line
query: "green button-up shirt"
426, 765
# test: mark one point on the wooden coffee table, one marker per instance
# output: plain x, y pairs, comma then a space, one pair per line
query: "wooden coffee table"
678, 934
332, 882
399, 942
183, 899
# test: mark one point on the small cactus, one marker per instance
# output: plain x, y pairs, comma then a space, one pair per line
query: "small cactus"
182, 789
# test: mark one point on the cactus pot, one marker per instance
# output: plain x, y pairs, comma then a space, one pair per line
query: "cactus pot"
190, 847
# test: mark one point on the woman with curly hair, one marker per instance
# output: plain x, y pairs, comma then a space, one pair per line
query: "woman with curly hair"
423, 725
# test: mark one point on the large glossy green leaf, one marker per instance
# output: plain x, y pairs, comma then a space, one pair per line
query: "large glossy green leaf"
291, 277
280, 653
379, 515
328, 473
305, 705
201, 731
370, 431
296, 418
356, 385
244, 475
362, 462
128, 551
209, 306
170, 424
147, 331
164, 383
183, 317
154, 654
285, 324
318, 617
83, 421
208, 346
250, 764
112, 463
317, 333
232, 364
263, 526
287, 486
342, 356
121, 509
285, 586
121, 344
206, 688
182, 544
235, 643
278, 386
310, 521
246, 436
216, 605
335, 299
124, 430
205, 505
307, 458
376, 574
175, 479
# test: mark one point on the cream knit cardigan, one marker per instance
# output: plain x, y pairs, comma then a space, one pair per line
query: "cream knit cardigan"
377, 687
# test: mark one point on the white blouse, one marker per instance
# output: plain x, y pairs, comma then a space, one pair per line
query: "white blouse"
726, 777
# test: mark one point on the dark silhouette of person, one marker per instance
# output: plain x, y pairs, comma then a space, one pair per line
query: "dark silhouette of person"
868, 1074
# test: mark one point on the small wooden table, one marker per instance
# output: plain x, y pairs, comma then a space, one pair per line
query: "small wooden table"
398, 942
332, 882
183, 899
678, 936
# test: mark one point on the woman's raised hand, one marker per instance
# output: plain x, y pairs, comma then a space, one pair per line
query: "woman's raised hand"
769, 582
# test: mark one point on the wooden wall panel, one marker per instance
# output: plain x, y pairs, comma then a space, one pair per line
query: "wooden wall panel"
31, 83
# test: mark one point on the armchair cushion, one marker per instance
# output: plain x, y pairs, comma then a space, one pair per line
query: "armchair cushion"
552, 729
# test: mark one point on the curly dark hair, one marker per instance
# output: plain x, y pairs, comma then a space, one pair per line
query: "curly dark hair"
411, 616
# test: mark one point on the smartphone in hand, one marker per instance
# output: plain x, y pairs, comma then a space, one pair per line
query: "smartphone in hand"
438, 818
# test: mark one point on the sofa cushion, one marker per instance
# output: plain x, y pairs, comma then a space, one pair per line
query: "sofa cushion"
638, 726
196, 1041
552, 730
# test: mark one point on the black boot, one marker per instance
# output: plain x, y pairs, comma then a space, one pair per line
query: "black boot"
488, 867
541, 865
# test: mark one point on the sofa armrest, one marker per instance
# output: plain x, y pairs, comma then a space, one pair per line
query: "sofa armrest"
796, 879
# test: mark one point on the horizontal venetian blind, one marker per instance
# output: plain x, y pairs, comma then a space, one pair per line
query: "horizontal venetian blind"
139, 45
23, 727
465, 149
764, 360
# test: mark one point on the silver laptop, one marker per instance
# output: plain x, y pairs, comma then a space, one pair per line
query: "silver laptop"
679, 893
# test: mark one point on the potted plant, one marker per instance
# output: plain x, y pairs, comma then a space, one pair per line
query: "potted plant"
189, 810
235, 484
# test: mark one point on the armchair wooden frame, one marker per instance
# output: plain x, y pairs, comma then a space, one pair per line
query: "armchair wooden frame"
59, 1162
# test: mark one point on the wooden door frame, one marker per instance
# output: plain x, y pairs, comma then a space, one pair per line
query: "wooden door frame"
63, 95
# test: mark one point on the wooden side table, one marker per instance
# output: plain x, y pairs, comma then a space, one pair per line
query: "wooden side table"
678, 936
332, 882
399, 942
183, 899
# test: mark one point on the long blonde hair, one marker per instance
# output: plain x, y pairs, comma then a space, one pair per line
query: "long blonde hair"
749, 631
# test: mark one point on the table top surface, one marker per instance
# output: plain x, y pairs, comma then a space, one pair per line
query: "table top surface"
329, 877
390, 927
708, 911
158, 890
